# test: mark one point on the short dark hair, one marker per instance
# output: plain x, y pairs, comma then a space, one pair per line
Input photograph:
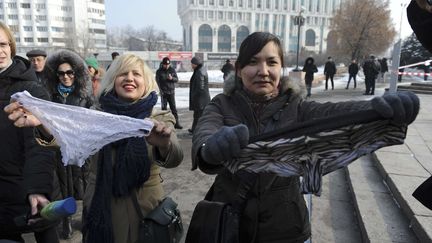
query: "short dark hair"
114, 55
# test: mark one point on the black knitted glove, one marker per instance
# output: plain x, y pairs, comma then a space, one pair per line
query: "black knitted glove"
401, 107
225, 143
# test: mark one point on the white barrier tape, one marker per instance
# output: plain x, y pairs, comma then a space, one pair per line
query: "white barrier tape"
415, 74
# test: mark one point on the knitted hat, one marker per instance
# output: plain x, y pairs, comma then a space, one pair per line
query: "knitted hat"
92, 62
36, 53
166, 60
196, 61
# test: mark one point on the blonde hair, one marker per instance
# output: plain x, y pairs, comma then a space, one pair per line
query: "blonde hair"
126, 63
10, 37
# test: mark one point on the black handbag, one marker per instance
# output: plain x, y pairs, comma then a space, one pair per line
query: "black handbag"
423, 193
161, 225
213, 222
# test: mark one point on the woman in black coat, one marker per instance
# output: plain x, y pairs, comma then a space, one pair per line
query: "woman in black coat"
309, 68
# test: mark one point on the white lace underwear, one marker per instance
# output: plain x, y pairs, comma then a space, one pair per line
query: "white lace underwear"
81, 132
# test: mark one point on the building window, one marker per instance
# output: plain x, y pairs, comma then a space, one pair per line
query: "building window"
221, 2
201, 2
205, 38
27, 17
40, 6
57, 29
42, 28
1, 16
211, 2
42, 40
242, 33
97, 31
210, 14
267, 4
240, 3
249, 3
310, 38
230, 16
259, 3
17, 39
277, 4
28, 28
1, 5
12, 5
59, 40
285, 4
224, 39
231, 3
13, 16
41, 17
239, 16
220, 15
25, 5
28, 39
66, 8
14, 28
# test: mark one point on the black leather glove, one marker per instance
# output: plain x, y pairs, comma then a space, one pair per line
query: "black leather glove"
401, 107
225, 143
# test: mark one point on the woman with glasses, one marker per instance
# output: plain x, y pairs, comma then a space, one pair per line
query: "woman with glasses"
69, 86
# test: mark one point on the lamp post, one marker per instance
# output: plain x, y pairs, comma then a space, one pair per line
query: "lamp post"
299, 21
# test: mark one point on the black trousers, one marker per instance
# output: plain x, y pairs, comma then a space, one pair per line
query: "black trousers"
169, 99
47, 236
353, 76
370, 85
331, 79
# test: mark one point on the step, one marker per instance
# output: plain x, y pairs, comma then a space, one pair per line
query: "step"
380, 218
416, 90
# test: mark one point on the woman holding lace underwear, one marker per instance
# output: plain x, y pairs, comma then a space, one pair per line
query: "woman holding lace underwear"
128, 88
69, 86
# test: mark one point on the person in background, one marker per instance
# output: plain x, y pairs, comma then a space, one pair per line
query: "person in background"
329, 71
26, 169
95, 73
109, 215
353, 69
383, 68
166, 77
260, 99
38, 59
69, 87
371, 69
309, 68
199, 95
227, 68
114, 55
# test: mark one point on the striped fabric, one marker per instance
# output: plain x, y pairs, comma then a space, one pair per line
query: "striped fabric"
314, 155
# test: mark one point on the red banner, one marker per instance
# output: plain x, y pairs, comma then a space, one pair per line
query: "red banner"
175, 55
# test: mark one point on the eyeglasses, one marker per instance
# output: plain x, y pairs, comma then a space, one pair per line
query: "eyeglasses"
4, 45
69, 73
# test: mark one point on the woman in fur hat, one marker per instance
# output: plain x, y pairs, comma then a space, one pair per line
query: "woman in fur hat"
69, 86
260, 100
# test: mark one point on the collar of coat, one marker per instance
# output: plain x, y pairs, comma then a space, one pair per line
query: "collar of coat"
287, 85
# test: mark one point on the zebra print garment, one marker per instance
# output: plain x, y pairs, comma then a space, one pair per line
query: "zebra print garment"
313, 155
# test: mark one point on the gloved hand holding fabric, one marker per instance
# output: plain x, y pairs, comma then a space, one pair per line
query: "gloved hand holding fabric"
225, 143
401, 107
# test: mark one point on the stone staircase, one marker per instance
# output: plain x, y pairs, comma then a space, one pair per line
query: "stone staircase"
417, 87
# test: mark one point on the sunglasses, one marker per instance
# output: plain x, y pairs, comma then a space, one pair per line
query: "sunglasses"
69, 73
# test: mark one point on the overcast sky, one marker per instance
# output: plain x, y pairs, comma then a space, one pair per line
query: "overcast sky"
163, 15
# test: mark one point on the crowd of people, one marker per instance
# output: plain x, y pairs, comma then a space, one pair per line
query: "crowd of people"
257, 99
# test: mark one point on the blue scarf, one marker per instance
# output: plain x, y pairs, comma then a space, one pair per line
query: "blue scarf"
130, 171
64, 90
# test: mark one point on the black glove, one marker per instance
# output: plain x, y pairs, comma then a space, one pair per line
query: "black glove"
225, 143
401, 107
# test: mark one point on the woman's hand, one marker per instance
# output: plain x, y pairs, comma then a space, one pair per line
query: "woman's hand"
20, 116
160, 136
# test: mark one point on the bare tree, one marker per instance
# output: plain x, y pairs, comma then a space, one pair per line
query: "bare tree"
362, 27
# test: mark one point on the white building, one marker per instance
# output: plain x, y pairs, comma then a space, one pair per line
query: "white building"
219, 26
48, 24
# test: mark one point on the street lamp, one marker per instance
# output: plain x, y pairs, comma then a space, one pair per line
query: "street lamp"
396, 55
299, 21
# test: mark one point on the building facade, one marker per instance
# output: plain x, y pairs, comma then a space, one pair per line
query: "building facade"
51, 24
219, 26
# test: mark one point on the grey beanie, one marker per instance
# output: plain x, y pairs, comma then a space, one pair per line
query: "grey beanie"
196, 61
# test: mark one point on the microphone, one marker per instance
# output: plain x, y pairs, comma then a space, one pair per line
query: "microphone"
59, 209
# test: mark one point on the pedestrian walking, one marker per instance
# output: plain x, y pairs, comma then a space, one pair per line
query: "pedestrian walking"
70, 87
353, 69
329, 71
227, 68
259, 100
128, 169
371, 69
166, 77
199, 95
309, 68
26, 169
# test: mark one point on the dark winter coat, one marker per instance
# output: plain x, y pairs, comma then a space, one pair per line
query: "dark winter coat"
371, 68
330, 68
383, 65
166, 86
25, 167
309, 69
227, 68
421, 22
199, 95
353, 69
275, 210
